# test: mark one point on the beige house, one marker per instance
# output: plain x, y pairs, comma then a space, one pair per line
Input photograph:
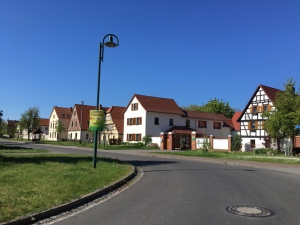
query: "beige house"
114, 125
63, 115
79, 123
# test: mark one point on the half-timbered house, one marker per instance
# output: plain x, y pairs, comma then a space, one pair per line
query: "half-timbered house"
251, 120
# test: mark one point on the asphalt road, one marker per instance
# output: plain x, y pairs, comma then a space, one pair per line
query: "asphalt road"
180, 191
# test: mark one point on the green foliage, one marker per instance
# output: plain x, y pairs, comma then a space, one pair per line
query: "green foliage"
30, 119
261, 151
3, 128
1, 114
214, 106
205, 146
236, 142
282, 121
147, 139
59, 127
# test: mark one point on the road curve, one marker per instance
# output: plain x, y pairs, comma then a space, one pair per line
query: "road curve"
178, 190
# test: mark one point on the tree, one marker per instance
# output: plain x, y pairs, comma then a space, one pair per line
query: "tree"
59, 127
236, 142
282, 121
3, 128
30, 120
147, 139
214, 106
1, 114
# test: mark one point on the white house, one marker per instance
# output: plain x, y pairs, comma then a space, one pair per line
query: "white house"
63, 115
147, 115
251, 120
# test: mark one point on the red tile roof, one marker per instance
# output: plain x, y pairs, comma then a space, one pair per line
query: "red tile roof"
204, 115
85, 116
236, 125
117, 116
270, 92
44, 122
157, 104
181, 130
63, 113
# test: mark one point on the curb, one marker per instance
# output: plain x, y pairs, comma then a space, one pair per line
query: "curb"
73, 204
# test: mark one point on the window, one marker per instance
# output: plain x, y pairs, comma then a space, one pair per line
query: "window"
137, 137
217, 125
252, 143
187, 123
139, 121
202, 124
75, 136
252, 126
134, 106
254, 109
75, 123
171, 122
265, 108
72, 124
71, 136
130, 121
53, 116
63, 115
86, 136
46, 128
74, 113
129, 137
156, 121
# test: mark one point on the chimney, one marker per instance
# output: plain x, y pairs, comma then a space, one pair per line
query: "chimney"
71, 109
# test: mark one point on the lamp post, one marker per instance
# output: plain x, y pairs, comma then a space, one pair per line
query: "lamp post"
110, 44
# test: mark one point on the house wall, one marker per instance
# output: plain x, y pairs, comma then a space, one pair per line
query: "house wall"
260, 100
53, 120
110, 131
134, 129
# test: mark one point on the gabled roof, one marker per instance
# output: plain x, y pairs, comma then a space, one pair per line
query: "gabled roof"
270, 92
44, 122
62, 112
85, 114
157, 104
204, 115
236, 125
116, 113
182, 130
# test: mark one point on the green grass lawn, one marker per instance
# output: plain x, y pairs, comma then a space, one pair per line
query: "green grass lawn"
124, 146
247, 156
30, 183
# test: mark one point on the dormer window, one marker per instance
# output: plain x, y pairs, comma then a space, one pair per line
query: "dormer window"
63, 115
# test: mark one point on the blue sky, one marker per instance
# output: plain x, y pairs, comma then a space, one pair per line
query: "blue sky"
191, 51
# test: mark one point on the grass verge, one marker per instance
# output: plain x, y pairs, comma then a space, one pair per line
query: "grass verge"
31, 183
238, 156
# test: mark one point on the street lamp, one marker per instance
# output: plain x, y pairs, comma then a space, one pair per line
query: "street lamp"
110, 44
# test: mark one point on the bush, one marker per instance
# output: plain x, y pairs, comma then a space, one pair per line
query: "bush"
154, 145
236, 142
147, 139
261, 151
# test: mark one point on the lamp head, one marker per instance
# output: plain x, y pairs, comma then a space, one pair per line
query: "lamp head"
110, 42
